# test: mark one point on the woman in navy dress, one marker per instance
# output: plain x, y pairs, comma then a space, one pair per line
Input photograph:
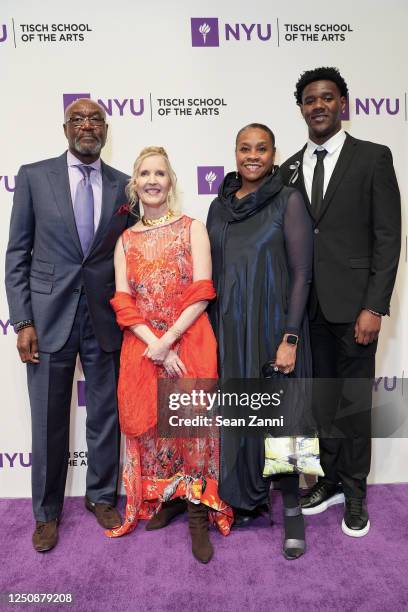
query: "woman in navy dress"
262, 247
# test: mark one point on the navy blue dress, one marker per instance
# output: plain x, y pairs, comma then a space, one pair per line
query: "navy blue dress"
262, 252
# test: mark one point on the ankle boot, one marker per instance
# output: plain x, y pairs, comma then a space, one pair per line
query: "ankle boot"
167, 513
294, 545
198, 525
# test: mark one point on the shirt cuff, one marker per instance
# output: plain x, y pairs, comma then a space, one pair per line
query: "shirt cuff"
374, 312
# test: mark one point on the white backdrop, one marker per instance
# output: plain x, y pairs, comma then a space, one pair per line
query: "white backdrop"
187, 76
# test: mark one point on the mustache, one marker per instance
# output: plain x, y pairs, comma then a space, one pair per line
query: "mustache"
94, 136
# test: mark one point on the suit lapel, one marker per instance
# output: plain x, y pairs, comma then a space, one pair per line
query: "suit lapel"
302, 187
109, 194
299, 180
345, 157
59, 180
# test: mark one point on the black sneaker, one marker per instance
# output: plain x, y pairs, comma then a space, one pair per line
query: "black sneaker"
355, 522
320, 497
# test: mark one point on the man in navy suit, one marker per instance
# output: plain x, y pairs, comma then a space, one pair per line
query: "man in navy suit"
67, 215
351, 193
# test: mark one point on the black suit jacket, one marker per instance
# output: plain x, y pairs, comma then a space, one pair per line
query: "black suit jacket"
357, 236
45, 267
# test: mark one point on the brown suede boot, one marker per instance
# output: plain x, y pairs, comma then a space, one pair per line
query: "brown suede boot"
167, 512
198, 524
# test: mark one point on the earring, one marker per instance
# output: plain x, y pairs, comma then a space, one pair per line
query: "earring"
236, 175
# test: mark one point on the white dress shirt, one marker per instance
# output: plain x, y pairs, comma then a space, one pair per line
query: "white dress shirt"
333, 147
75, 176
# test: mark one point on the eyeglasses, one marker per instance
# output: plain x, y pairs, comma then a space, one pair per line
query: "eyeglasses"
79, 120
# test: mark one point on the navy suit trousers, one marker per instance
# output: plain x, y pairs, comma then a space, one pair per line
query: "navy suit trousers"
50, 389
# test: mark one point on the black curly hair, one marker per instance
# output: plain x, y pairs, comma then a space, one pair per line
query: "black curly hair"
328, 73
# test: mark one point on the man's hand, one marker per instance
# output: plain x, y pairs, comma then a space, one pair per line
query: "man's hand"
367, 327
27, 345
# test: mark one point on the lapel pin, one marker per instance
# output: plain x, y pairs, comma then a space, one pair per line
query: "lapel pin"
295, 172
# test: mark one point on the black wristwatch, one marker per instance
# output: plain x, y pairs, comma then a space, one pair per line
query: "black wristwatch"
292, 339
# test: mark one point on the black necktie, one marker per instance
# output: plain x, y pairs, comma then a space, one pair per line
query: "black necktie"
318, 182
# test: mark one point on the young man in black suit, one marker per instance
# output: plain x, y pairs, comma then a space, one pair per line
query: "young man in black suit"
351, 192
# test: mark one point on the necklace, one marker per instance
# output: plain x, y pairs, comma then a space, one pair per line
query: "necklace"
169, 214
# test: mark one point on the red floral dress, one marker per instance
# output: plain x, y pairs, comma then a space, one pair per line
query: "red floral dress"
160, 276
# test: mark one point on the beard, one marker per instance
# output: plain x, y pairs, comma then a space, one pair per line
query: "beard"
88, 148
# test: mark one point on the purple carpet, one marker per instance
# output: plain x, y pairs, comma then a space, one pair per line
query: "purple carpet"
155, 571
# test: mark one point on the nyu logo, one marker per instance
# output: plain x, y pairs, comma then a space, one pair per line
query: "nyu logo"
205, 32
8, 183
3, 33
112, 106
209, 178
372, 106
11, 460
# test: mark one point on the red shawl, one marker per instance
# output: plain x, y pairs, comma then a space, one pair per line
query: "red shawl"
137, 390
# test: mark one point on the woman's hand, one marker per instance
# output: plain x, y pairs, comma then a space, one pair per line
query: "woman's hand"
285, 357
157, 350
173, 365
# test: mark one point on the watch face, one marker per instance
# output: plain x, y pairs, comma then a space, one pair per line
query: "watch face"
291, 339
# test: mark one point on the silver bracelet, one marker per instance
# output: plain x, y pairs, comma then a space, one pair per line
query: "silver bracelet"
175, 331
23, 324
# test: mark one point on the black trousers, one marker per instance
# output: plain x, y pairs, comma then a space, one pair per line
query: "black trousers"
338, 359
50, 389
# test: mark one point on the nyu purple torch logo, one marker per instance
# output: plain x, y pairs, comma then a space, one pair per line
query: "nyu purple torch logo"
71, 97
209, 178
345, 115
204, 32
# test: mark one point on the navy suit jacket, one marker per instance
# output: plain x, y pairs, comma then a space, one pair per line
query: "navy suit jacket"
45, 267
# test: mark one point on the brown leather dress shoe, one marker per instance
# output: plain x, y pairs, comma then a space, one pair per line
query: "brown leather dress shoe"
45, 535
106, 515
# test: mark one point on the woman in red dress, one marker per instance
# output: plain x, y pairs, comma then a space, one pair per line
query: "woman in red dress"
163, 285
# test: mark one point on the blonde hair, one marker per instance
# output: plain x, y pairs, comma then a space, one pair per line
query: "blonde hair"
131, 186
